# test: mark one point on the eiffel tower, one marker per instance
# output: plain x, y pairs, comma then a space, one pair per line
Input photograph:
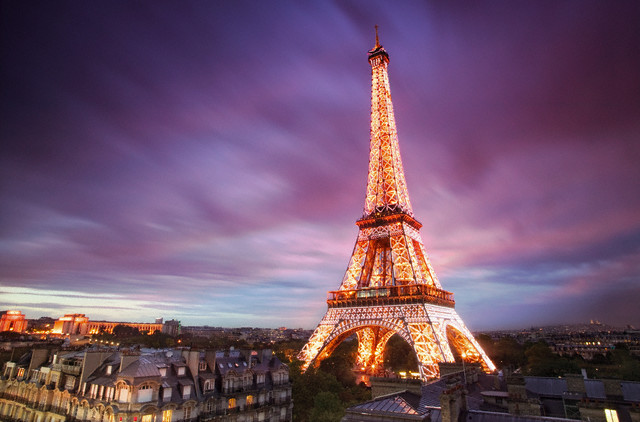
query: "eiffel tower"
390, 286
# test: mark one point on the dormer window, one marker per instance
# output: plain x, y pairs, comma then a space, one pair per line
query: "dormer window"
180, 371
202, 366
145, 392
163, 372
109, 369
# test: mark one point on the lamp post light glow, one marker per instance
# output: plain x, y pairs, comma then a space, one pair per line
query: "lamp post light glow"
464, 372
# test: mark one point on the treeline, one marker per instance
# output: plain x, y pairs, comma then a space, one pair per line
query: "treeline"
538, 359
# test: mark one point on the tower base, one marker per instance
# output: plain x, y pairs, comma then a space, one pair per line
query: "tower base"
434, 332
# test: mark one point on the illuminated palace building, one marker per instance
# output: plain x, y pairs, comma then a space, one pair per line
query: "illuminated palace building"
79, 324
389, 286
13, 321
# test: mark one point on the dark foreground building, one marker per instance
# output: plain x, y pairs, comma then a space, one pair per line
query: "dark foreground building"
489, 398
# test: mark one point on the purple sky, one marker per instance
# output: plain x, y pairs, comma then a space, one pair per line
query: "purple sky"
206, 161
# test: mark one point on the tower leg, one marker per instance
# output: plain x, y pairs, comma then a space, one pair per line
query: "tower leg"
371, 345
427, 348
316, 343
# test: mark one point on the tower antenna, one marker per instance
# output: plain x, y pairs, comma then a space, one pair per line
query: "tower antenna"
377, 42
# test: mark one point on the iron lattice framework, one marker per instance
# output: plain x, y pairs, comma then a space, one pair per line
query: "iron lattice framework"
390, 286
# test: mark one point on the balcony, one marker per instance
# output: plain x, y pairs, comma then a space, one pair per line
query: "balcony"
390, 295
71, 369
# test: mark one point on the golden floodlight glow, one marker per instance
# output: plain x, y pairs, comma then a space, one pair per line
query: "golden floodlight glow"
389, 286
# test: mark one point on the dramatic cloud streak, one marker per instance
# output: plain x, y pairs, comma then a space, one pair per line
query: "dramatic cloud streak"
207, 161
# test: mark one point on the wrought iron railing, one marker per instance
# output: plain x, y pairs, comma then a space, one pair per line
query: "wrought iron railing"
390, 295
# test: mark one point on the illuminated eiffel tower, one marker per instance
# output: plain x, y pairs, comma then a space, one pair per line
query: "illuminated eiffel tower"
390, 287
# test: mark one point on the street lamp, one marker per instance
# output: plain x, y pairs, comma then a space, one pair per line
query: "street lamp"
464, 372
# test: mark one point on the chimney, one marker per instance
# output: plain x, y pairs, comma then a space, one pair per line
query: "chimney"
266, 355
127, 359
453, 401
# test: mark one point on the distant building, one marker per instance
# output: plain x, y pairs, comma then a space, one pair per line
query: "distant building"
171, 327
79, 324
70, 324
13, 321
111, 385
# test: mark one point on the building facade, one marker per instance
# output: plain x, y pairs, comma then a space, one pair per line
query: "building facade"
110, 385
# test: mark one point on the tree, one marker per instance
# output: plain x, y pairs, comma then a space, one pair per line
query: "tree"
542, 362
507, 352
124, 331
399, 356
341, 362
326, 407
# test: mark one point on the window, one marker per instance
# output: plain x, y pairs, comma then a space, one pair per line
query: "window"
611, 415
202, 366
147, 418
210, 406
249, 400
232, 403
187, 412
145, 393
123, 394
166, 415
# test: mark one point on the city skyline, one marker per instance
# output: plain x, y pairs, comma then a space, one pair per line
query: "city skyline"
207, 161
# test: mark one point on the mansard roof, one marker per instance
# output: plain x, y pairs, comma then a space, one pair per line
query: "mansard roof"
143, 367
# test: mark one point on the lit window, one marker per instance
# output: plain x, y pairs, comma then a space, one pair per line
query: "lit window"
611, 415
147, 418
249, 400
166, 415
232, 403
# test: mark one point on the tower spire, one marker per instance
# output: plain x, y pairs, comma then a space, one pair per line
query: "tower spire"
386, 186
